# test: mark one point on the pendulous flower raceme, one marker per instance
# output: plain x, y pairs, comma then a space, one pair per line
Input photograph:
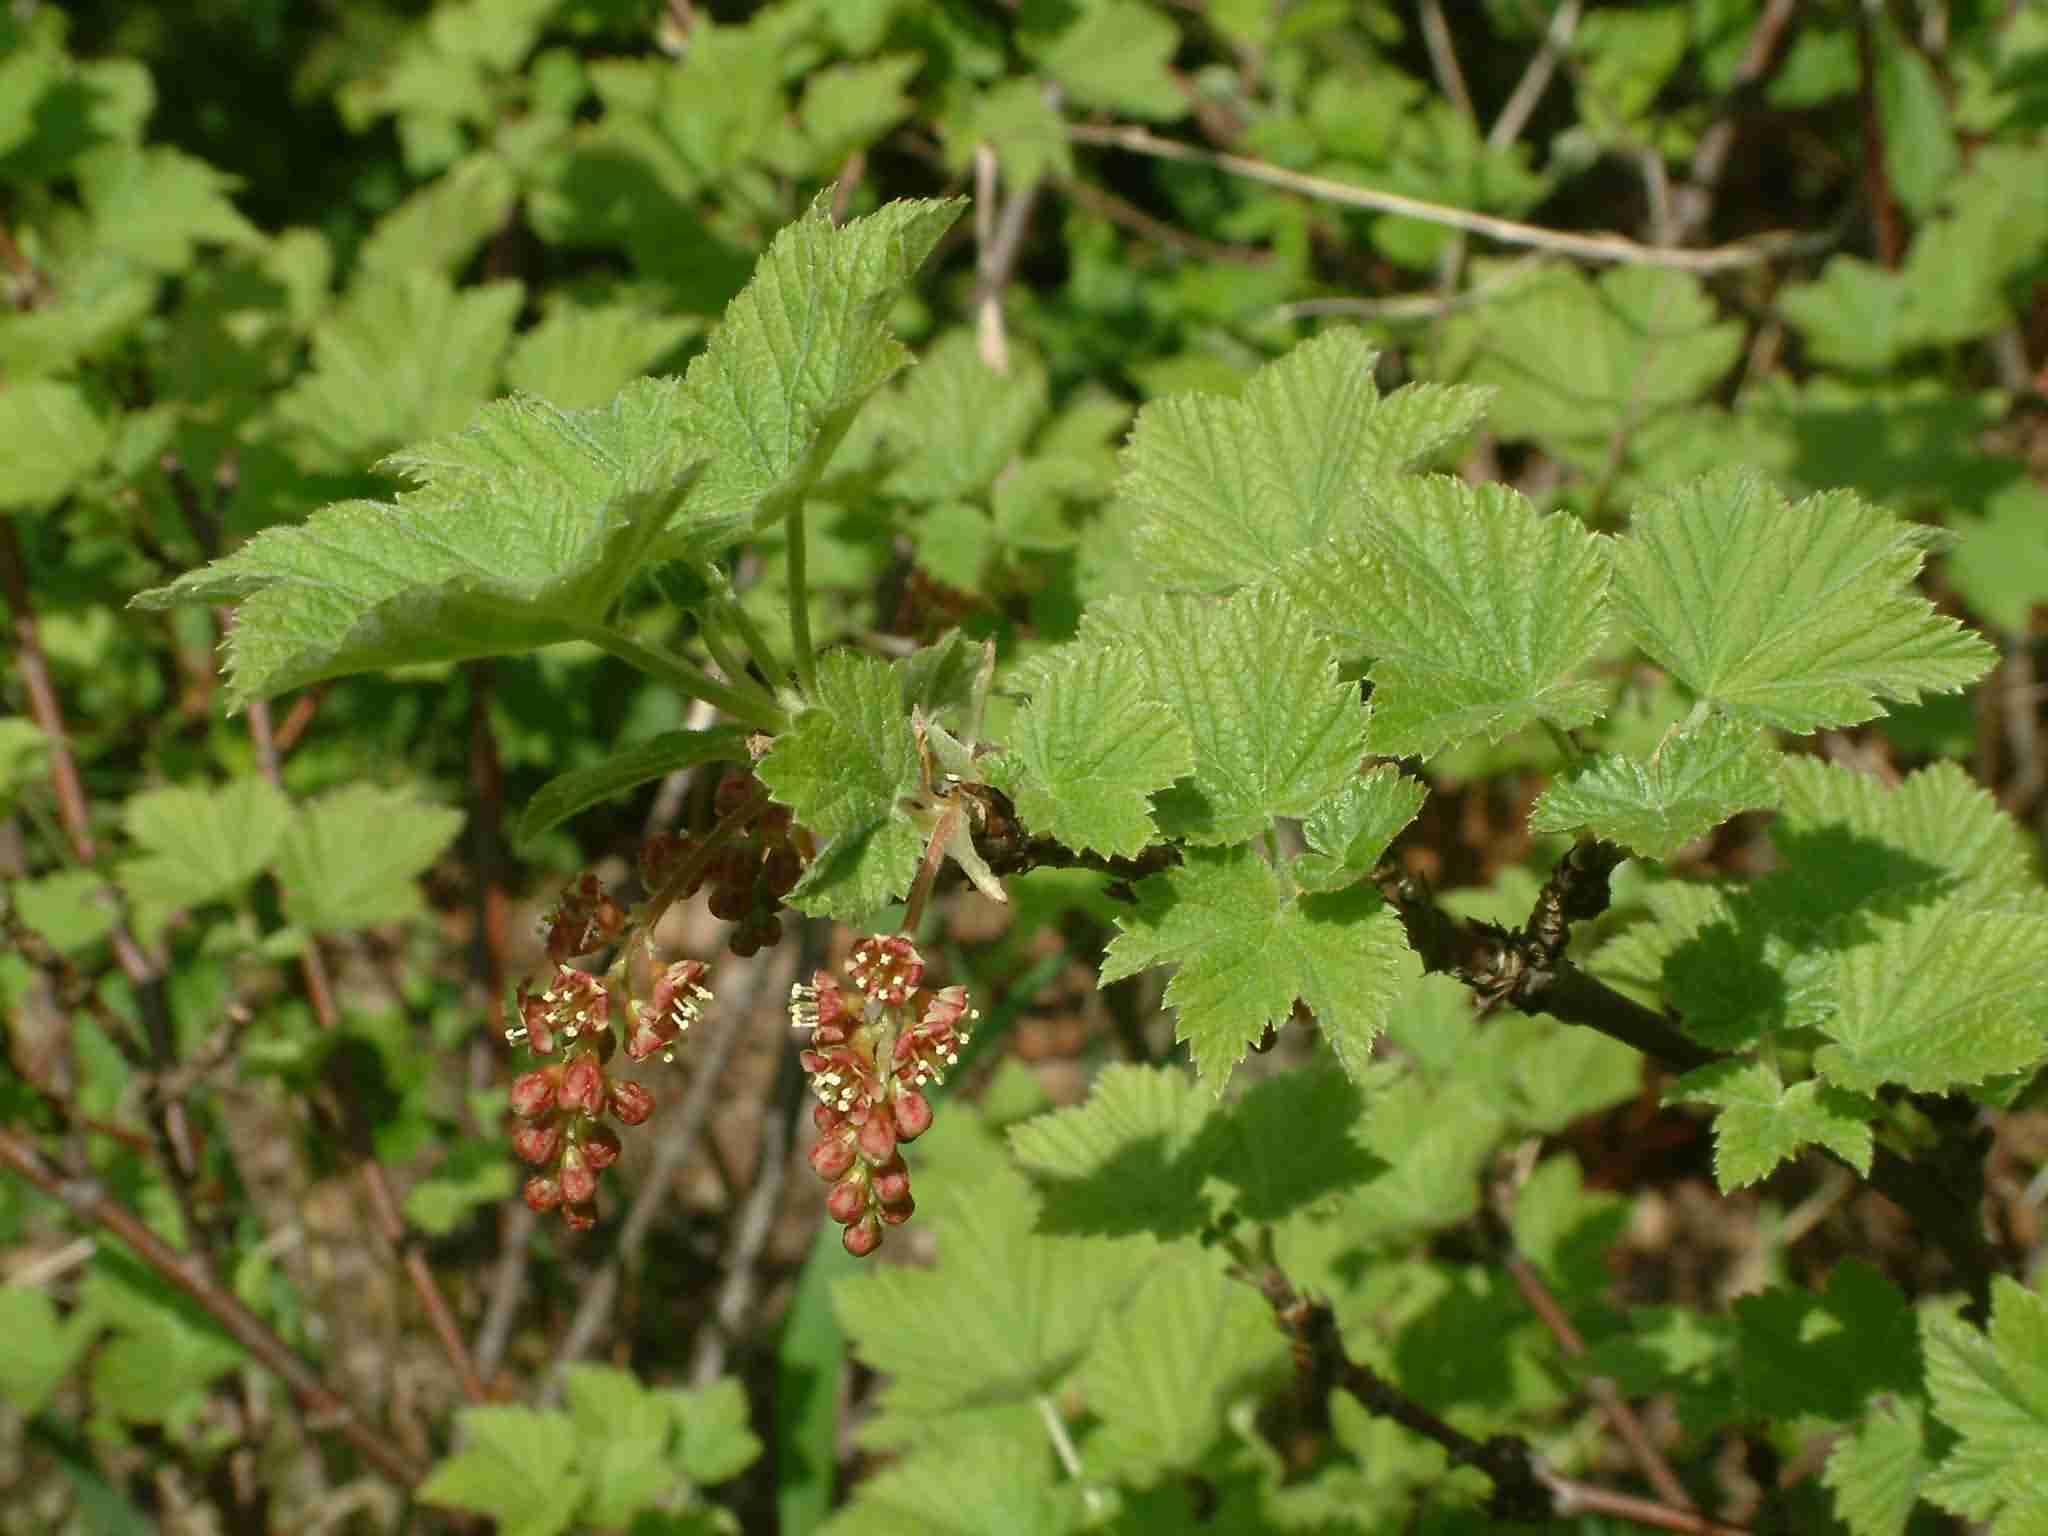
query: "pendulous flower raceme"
872, 1053
562, 1104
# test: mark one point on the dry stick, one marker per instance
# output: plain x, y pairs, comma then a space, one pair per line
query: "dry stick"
1121, 211
1695, 202
85, 1198
781, 1122
677, 1140
507, 1288
1443, 57
383, 1206
1528, 91
998, 238
1614, 248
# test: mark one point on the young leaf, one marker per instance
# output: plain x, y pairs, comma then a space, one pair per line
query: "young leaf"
351, 857
957, 422
1348, 832
799, 350
404, 358
566, 794
1221, 491
154, 205
474, 1174
54, 440
1476, 608
623, 1433
1876, 1469
42, 1347
582, 355
1691, 784
1090, 750
1115, 58
1131, 1159
522, 532
519, 1465
1246, 950
1274, 731
1191, 1341
1940, 997
1992, 1389
844, 768
718, 1442
1762, 1122
201, 844
1800, 617
968, 1484
1825, 1355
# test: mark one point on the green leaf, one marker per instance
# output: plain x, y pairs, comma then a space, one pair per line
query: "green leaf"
42, 1347
1811, 1355
1477, 609
799, 350
1920, 154
518, 1465
1115, 58
972, 1484
201, 844
445, 223
1938, 998
1691, 784
1246, 950
1348, 832
1024, 1307
1025, 130
164, 1350
623, 1434
522, 532
582, 355
1192, 1341
473, 1174
2000, 561
567, 793
24, 759
1222, 492
1275, 732
1801, 617
718, 1439
155, 205
1876, 1469
1580, 364
351, 857
1131, 1159
849, 106
1992, 1389
1093, 748
959, 423
1853, 316
1762, 1122
54, 440
405, 357
1293, 1139
844, 768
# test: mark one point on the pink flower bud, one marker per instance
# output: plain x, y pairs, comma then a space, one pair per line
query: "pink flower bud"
580, 1218
630, 1103
542, 1193
601, 1146
878, 1140
533, 1094
537, 1143
896, 1215
582, 1090
831, 1156
579, 1179
846, 1200
862, 1238
912, 1112
892, 1184
662, 855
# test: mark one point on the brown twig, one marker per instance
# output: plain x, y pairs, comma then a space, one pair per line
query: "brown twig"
324, 1409
1693, 204
781, 1121
1121, 211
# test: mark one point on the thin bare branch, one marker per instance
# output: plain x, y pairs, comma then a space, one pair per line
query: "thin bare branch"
1610, 248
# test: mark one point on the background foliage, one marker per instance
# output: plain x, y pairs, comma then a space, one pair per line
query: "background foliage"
258, 260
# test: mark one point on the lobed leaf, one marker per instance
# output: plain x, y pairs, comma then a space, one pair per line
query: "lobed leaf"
1991, 1388
843, 768
350, 859
1477, 610
201, 844
1348, 832
1800, 616
1762, 1122
1692, 783
1221, 492
1246, 950
522, 532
